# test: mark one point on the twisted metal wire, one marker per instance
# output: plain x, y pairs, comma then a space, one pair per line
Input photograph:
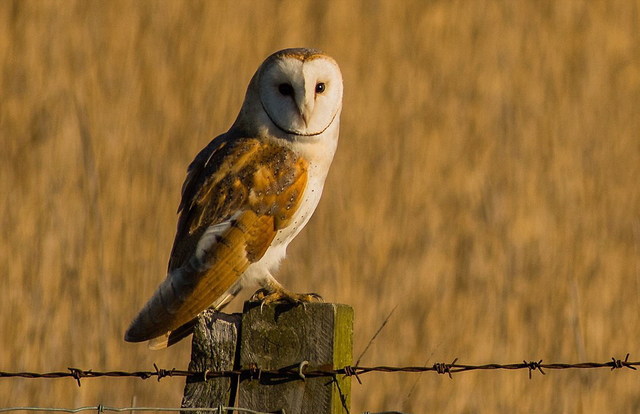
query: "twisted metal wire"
303, 370
104, 408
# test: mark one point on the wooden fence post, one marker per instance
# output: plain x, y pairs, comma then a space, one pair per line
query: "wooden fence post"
284, 336
316, 336
214, 348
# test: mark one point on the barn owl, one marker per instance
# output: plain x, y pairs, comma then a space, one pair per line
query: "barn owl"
248, 193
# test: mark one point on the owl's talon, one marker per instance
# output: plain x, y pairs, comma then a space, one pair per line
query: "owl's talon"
267, 297
259, 295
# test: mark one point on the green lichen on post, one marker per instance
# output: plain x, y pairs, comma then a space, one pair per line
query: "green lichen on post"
342, 356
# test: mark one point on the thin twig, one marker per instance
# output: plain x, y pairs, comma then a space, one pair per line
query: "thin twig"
376, 334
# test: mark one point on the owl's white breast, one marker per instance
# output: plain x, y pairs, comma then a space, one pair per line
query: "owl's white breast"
310, 200
319, 153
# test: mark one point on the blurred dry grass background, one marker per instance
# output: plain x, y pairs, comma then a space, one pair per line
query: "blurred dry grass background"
486, 182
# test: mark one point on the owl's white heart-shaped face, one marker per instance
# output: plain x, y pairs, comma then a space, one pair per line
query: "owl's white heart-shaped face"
301, 93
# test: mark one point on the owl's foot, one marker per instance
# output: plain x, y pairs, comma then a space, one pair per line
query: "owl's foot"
268, 296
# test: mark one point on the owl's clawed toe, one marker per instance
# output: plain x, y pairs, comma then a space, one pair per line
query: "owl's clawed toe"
266, 297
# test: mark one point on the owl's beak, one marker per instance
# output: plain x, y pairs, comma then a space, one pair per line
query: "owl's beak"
305, 108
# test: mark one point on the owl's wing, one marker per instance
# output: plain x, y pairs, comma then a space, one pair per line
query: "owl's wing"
237, 195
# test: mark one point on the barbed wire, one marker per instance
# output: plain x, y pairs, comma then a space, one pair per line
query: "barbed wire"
295, 372
103, 408
303, 370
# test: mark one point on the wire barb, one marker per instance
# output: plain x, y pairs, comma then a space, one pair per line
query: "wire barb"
349, 371
534, 366
443, 368
616, 363
161, 372
254, 372
77, 374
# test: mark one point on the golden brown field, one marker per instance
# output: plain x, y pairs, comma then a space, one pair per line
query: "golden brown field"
486, 183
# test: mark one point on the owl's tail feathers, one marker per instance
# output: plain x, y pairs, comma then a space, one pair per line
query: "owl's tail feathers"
219, 262
172, 337
162, 313
163, 320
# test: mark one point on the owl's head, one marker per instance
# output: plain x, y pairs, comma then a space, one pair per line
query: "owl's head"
299, 90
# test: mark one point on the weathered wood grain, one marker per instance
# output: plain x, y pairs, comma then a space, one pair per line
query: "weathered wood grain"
214, 348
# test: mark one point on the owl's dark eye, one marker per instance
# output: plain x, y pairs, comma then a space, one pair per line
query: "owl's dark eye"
285, 89
320, 87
